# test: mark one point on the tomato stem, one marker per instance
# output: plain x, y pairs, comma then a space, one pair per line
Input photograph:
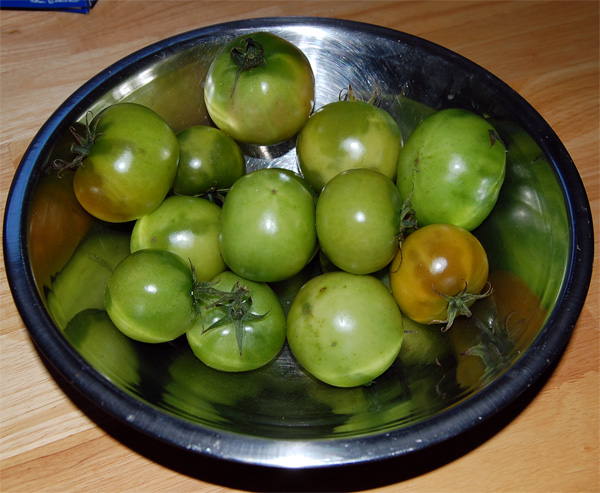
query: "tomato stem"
82, 147
235, 305
459, 304
407, 219
246, 57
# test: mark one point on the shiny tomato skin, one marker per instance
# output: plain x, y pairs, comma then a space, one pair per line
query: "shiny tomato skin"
130, 166
345, 329
344, 135
207, 158
149, 296
436, 260
264, 105
268, 226
452, 166
264, 335
187, 226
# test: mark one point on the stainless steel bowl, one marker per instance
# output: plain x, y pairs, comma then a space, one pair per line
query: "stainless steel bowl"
541, 230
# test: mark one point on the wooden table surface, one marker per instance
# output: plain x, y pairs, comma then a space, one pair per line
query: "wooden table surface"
53, 439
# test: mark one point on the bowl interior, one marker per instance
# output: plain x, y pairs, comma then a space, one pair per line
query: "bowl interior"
527, 236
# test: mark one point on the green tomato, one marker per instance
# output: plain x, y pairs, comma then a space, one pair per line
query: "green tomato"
452, 167
260, 89
358, 220
129, 161
243, 335
345, 329
208, 158
344, 135
149, 296
268, 225
187, 226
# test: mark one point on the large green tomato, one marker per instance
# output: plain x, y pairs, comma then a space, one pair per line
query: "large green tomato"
208, 158
129, 161
260, 89
242, 334
348, 134
452, 167
345, 329
149, 296
187, 226
268, 225
358, 220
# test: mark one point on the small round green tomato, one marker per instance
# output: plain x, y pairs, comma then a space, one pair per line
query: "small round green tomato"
187, 226
208, 158
129, 163
268, 226
452, 167
344, 135
358, 220
149, 296
239, 340
260, 89
345, 329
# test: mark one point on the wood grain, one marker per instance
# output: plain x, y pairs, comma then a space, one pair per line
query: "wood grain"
53, 439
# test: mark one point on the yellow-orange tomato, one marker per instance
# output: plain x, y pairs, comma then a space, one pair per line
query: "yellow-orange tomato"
438, 273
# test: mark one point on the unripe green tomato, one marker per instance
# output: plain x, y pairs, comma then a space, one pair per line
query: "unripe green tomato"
187, 226
268, 225
262, 333
358, 220
344, 135
149, 296
130, 165
452, 166
345, 329
207, 158
264, 104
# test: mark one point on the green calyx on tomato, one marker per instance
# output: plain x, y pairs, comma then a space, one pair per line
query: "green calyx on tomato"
236, 305
82, 147
241, 324
252, 55
458, 304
